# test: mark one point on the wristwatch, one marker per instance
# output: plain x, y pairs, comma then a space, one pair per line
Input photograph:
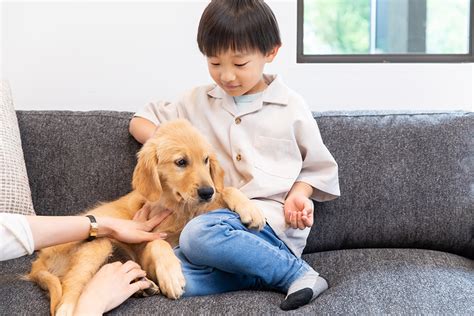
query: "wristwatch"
94, 228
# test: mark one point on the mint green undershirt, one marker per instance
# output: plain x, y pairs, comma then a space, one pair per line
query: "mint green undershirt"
245, 100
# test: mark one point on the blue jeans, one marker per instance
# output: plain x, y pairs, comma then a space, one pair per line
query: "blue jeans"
219, 254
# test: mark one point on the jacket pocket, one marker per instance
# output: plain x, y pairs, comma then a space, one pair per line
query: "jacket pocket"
277, 157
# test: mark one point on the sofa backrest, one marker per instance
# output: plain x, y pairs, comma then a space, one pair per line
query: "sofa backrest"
406, 179
76, 159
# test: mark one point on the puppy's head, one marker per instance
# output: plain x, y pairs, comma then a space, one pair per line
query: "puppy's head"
178, 163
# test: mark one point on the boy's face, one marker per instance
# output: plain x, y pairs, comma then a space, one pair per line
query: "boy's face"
239, 73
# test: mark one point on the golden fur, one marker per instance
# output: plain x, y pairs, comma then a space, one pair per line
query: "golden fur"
171, 167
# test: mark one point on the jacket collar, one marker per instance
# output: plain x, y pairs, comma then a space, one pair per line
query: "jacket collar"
275, 93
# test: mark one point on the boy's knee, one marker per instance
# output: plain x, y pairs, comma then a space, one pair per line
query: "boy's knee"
194, 229
201, 232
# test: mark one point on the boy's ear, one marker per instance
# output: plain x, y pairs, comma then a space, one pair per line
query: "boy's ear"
146, 179
272, 54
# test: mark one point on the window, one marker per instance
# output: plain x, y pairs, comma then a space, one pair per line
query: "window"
385, 31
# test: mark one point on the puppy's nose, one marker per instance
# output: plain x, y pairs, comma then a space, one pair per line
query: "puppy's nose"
205, 193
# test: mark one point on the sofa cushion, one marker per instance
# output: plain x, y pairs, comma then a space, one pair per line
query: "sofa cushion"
394, 281
15, 195
362, 281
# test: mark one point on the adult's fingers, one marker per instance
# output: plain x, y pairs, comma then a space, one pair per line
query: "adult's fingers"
142, 214
157, 219
138, 285
130, 265
146, 236
135, 274
112, 265
138, 215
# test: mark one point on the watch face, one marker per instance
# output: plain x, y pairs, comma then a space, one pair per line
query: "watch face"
94, 229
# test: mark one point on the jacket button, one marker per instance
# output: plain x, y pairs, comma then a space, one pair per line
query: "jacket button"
238, 157
238, 120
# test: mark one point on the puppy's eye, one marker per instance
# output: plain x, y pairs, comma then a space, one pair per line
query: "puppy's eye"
206, 160
181, 163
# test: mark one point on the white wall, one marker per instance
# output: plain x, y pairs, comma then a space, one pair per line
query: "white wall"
119, 55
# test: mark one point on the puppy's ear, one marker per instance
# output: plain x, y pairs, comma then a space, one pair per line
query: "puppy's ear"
146, 179
217, 173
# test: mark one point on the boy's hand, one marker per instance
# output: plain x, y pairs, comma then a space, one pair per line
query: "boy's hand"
298, 211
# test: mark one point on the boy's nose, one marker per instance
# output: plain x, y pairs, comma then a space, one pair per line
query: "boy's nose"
227, 77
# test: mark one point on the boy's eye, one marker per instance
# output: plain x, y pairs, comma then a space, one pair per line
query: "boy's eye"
215, 64
241, 65
206, 160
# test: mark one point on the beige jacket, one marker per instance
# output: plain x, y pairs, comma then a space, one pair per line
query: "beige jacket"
264, 148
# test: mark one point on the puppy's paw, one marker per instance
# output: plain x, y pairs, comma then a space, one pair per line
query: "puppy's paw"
251, 215
170, 277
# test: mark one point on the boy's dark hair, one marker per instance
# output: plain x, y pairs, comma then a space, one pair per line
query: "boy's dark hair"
241, 25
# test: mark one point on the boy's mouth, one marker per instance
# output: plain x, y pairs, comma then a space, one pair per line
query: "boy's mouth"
231, 87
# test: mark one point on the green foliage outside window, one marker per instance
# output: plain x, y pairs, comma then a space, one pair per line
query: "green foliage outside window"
337, 26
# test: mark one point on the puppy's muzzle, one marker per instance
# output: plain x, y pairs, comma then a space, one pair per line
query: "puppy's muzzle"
205, 193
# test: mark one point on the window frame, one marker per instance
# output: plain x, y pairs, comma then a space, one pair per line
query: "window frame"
380, 58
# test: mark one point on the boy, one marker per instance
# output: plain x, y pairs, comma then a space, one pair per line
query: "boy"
269, 146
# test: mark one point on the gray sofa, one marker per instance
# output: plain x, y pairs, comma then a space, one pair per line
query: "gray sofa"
398, 241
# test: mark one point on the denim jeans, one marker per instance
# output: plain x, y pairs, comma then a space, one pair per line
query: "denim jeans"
219, 254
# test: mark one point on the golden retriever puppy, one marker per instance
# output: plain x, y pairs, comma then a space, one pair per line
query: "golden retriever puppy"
176, 170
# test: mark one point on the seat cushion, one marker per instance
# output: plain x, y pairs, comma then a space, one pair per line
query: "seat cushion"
362, 281
394, 281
